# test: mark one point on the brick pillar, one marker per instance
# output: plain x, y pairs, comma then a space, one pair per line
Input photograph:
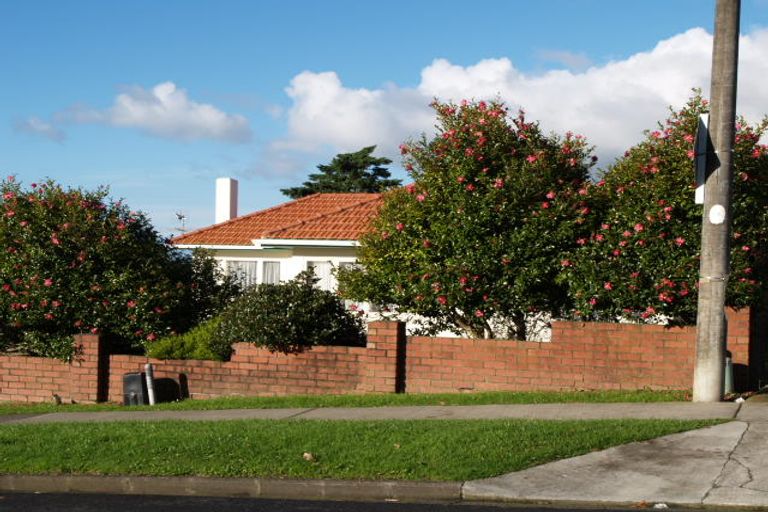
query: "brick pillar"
386, 341
89, 369
758, 346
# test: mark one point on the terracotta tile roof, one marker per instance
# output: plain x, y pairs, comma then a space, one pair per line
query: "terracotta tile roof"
316, 217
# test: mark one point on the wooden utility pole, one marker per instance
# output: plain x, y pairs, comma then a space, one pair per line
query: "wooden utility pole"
711, 324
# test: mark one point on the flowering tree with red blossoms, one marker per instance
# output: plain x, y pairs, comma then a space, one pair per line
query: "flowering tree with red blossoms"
75, 263
474, 243
642, 262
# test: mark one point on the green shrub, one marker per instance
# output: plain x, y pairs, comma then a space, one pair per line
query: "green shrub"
474, 243
643, 261
198, 343
210, 290
75, 261
289, 317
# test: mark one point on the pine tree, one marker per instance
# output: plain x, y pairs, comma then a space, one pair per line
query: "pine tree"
348, 172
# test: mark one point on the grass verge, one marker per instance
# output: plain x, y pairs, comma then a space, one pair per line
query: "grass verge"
314, 401
403, 450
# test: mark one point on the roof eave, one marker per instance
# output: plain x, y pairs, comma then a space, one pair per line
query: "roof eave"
269, 243
216, 247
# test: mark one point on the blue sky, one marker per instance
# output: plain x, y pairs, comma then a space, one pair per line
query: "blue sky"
158, 98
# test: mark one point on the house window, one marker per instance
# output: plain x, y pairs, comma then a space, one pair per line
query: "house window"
244, 270
324, 271
271, 272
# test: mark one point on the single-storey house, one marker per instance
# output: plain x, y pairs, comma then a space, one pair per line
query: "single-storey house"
320, 231
268, 246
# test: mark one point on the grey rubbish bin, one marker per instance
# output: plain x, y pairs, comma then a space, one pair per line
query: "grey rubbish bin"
135, 389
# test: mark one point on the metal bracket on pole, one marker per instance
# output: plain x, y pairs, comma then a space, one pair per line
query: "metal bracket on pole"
701, 147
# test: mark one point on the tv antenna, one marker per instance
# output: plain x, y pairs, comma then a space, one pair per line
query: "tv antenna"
182, 217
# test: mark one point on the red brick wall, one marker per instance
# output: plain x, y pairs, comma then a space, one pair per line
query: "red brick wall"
580, 356
37, 379
256, 371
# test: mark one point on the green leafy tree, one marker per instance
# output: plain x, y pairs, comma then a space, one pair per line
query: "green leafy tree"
210, 290
474, 243
643, 260
288, 317
348, 172
75, 261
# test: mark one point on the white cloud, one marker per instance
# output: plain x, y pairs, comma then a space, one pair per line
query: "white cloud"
168, 112
324, 112
611, 104
165, 111
36, 126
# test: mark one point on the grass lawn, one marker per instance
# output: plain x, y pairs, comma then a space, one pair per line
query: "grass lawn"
407, 450
314, 401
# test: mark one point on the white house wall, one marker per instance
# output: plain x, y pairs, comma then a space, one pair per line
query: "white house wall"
292, 260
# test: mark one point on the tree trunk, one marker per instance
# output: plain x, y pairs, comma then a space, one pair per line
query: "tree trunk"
520, 327
485, 333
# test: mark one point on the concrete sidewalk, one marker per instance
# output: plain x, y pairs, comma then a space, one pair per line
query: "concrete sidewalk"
573, 411
725, 465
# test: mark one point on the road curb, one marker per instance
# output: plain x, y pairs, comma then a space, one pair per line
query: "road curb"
332, 490
235, 487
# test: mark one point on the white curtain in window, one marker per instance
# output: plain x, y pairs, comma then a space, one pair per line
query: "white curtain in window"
324, 270
244, 270
271, 272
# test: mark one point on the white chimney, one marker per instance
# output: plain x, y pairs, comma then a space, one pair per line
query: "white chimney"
226, 199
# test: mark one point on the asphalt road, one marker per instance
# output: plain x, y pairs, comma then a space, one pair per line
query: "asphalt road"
121, 503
